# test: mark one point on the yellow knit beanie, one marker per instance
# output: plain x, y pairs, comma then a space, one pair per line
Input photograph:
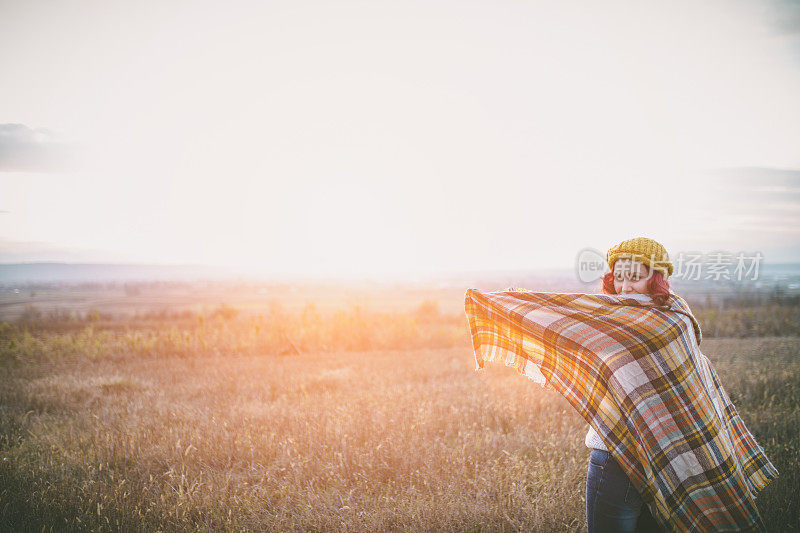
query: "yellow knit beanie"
648, 251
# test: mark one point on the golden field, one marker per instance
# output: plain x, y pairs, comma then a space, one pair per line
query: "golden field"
320, 420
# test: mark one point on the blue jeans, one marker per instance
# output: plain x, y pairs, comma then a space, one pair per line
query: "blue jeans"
612, 502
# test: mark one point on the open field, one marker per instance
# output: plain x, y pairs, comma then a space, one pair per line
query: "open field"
141, 298
139, 425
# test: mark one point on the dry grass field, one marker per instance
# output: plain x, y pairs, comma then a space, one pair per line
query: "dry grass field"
362, 422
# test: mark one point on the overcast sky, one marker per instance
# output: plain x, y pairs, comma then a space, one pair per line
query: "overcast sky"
377, 136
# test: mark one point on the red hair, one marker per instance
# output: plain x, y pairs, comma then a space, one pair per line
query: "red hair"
657, 286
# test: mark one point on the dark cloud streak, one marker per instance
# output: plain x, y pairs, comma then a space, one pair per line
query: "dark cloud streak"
757, 176
23, 149
768, 197
786, 17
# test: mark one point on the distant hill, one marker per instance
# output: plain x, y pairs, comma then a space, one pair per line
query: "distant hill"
12, 273
557, 279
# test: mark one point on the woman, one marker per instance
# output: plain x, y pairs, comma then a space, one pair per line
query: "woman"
612, 502
665, 438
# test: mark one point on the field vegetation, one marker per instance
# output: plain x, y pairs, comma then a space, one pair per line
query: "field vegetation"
326, 420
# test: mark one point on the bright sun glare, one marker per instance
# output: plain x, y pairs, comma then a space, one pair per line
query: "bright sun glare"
381, 136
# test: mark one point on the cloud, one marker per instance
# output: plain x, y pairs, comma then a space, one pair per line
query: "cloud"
757, 178
785, 17
758, 198
23, 149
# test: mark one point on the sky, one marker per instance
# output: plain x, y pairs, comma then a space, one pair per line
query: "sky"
326, 137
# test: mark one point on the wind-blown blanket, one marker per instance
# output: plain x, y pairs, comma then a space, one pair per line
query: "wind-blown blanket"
634, 371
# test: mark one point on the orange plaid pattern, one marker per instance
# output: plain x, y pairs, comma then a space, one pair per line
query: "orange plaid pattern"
634, 371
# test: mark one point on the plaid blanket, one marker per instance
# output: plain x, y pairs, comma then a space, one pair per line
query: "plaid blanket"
634, 371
